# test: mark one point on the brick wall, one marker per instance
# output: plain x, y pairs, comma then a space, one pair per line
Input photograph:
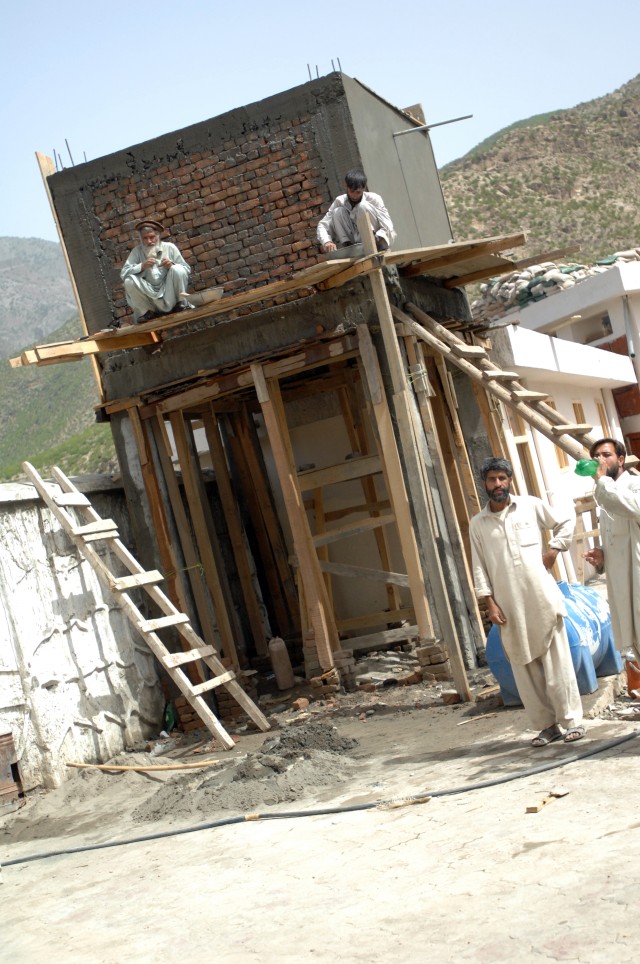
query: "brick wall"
242, 214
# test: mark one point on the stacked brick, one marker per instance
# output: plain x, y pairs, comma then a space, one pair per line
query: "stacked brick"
434, 660
228, 709
243, 212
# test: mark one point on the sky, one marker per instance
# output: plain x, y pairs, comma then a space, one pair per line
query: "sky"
103, 77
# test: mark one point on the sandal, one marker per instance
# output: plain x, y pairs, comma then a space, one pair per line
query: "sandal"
574, 733
550, 735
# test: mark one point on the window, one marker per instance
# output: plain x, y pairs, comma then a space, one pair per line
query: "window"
604, 421
561, 455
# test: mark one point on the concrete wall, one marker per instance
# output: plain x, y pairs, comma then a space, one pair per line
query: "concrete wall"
242, 193
402, 169
76, 682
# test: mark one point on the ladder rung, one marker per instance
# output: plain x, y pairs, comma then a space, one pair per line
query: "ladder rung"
100, 525
96, 536
178, 659
138, 579
468, 351
151, 625
211, 684
572, 427
71, 498
528, 395
497, 374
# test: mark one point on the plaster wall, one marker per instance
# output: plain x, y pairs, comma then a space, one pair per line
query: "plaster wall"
402, 169
76, 682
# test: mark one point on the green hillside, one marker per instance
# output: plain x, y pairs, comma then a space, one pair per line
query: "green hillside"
569, 177
48, 416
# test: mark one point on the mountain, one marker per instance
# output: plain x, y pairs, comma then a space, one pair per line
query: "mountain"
35, 292
566, 177
48, 417
47, 413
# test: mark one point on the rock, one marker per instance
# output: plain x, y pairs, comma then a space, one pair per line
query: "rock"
300, 704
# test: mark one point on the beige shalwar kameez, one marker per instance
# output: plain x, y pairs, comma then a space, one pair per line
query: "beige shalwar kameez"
507, 553
619, 501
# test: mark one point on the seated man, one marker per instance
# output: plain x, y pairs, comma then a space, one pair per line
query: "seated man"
338, 228
155, 275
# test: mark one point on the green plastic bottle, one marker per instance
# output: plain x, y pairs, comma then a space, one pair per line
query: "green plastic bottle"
586, 467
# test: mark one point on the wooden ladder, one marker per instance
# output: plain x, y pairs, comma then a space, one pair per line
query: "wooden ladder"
572, 437
91, 528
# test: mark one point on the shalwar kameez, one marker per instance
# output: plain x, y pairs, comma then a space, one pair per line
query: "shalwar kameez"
157, 289
340, 225
507, 551
619, 501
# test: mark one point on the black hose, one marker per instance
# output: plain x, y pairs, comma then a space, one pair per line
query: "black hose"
326, 811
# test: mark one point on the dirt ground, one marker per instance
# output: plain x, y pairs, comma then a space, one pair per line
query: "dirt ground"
382, 750
349, 750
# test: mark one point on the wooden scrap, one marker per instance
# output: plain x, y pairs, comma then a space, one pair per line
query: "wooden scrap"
487, 693
552, 795
472, 719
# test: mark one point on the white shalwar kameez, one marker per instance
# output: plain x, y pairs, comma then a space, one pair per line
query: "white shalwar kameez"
619, 501
156, 288
340, 226
507, 553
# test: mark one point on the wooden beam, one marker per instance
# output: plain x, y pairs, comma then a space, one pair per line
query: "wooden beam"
236, 533
341, 472
205, 534
463, 254
320, 615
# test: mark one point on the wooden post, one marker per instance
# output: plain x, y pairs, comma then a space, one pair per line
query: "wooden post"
266, 523
414, 477
234, 525
318, 608
194, 567
359, 442
451, 494
47, 168
205, 535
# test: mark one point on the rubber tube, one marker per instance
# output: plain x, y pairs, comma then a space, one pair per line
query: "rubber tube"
327, 811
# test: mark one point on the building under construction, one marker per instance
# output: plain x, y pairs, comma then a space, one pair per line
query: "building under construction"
297, 456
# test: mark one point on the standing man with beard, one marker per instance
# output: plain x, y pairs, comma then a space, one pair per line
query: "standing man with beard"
617, 492
511, 571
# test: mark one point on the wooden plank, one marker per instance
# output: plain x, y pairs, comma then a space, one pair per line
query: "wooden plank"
320, 614
234, 527
164, 536
99, 525
71, 498
528, 395
362, 266
179, 659
462, 253
415, 482
360, 572
375, 619
572, 428
499, 375
395, 484
153, 625
138, 579
266, 521
385, 638
352, 529
341, 472
470, 351
204, 532
212, 684
350, 405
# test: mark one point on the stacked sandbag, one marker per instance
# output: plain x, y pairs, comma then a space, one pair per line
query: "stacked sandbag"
518, 289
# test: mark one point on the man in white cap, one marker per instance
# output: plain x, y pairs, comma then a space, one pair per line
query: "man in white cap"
155, 275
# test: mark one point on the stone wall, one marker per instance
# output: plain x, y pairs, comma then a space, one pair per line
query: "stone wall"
77, 683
